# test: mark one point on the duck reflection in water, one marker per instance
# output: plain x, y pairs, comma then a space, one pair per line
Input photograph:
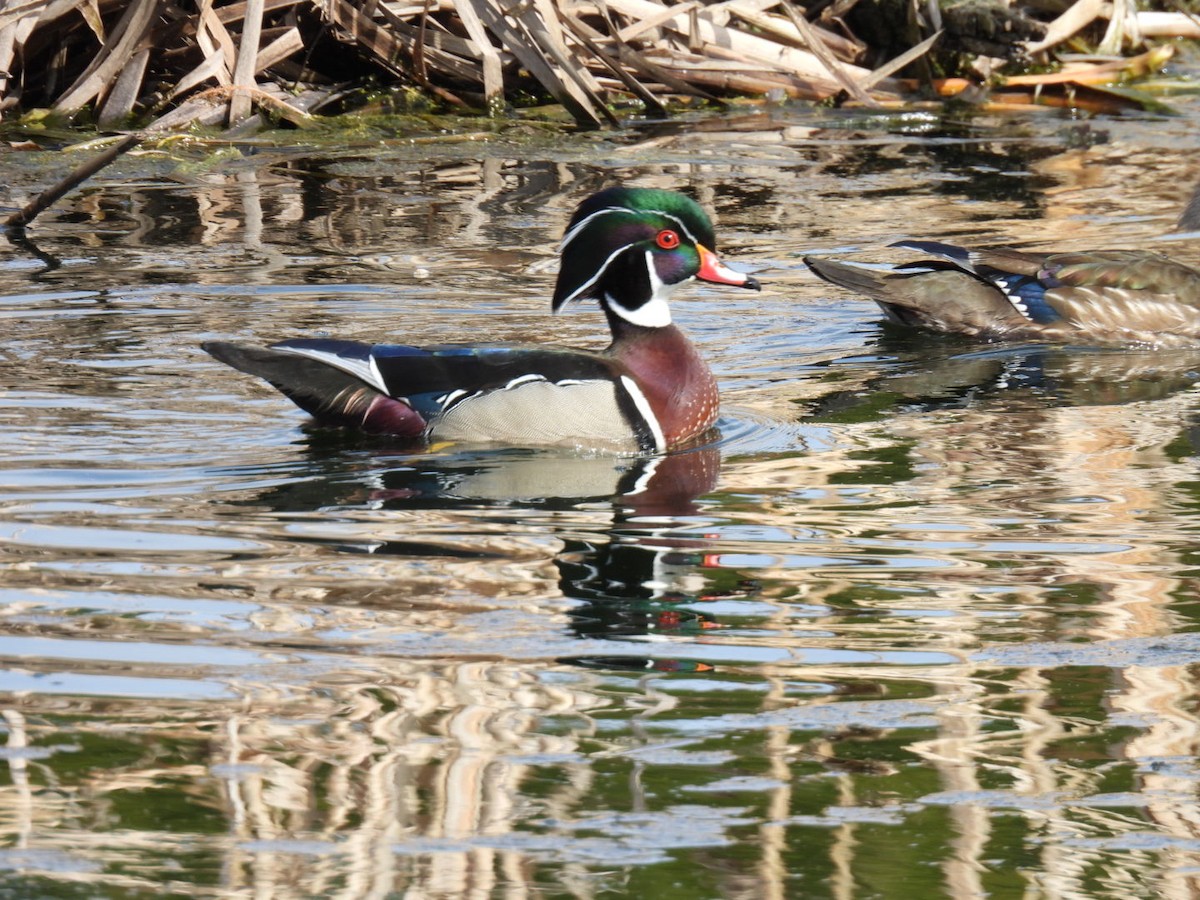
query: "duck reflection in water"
620, 555
927, 372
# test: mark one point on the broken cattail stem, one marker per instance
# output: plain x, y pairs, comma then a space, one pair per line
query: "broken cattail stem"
78, 175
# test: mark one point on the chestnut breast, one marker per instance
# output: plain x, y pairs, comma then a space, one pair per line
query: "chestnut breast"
677, 382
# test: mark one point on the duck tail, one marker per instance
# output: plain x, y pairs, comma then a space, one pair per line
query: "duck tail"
854, 278
877, 284
939, 294
329, 394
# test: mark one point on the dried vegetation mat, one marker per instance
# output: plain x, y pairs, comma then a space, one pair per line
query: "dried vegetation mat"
164, 65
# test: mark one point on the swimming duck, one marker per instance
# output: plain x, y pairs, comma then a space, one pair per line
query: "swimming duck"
649, 390
1100, 297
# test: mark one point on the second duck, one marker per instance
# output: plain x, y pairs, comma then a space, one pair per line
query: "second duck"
1101, 297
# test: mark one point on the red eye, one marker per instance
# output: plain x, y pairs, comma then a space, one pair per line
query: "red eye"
667, 239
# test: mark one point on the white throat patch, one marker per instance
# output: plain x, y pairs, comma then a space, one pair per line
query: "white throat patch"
655, 312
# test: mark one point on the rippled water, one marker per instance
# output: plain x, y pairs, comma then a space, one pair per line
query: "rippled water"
922, 623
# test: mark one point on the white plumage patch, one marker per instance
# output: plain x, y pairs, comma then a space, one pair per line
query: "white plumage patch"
365, 370
655, 312
584, 222
587, 285
448, 398
1006, 283
646, 476
678, 221
643, 406
451, 398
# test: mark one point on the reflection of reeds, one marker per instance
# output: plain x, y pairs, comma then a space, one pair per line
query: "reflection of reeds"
324, 794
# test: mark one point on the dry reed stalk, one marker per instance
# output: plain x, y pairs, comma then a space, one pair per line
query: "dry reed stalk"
590, 39
493, 71
821, 52
641, 62
891, 67
1077, 17
584, 53
8, 38
754, 13
113, 57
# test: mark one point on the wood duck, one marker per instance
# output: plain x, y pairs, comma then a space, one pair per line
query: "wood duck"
1101, 297
626, 248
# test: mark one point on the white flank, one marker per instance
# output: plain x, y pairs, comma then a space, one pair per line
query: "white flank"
643, 406
363, 369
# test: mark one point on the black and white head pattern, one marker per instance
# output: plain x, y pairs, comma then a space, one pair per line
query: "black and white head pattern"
629, 248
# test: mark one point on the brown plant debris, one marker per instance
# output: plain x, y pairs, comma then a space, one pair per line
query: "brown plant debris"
169, 65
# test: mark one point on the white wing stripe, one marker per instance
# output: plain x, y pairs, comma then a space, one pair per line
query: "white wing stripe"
1006, 283
365, 370
378, 376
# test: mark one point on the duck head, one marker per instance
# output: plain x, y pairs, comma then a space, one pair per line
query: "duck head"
629, 248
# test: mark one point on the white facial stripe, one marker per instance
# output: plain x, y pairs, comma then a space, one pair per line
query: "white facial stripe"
583, 223
363, 369
587, 285
643, 406
678, 221
654, 313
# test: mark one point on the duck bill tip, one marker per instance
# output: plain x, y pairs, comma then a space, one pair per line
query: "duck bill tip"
715, 271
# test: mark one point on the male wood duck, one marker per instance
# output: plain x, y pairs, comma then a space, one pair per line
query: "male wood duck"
1101, 297
626, 248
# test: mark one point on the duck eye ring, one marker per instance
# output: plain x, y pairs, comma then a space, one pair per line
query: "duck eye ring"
667, 239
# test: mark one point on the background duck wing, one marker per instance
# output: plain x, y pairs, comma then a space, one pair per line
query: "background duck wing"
1127, 293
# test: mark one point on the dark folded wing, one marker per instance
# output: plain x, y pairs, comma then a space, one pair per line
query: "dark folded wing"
512, 393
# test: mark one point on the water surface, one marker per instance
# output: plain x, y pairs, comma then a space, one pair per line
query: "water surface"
920, 622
